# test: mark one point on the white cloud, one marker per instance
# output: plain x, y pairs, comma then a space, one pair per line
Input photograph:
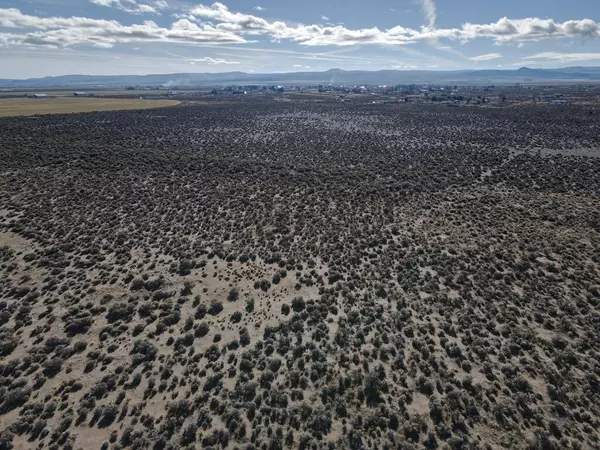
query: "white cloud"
565, 57
486, 57
260, 8
430, 10
131, 6
508, 30
325, 18
105, 2
211, 61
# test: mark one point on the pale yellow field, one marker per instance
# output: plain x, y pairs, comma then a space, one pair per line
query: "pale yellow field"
97, 92
62, 93
64, 105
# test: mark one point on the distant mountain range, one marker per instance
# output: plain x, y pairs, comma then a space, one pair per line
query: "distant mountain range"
334, 76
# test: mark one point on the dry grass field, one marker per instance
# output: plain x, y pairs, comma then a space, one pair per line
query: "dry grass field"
69, 92
62, 105
105, 92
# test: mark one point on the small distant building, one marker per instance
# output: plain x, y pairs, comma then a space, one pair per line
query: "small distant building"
80, 94
40, 95
559, 102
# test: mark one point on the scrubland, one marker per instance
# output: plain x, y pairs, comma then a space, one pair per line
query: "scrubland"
252, 274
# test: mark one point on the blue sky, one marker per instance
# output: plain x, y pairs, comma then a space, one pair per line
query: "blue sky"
55, 37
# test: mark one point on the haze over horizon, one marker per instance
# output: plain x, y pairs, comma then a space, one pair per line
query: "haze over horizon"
138, 37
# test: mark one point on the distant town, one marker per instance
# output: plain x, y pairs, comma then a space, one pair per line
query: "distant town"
450, 95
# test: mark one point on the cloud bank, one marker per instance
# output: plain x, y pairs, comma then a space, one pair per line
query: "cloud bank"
503, 31
72, 31
217, 24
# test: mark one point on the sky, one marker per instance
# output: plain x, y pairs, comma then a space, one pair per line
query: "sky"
115, 37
